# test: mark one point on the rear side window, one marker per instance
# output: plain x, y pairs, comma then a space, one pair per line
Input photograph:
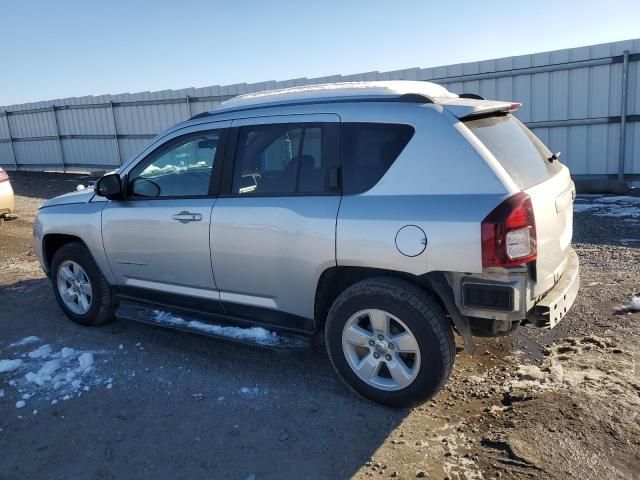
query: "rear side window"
282, 159
368, 150
519, 151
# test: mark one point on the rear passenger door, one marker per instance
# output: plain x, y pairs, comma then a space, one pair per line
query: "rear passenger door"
273, 227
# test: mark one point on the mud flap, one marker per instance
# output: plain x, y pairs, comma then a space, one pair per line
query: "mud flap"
440, 285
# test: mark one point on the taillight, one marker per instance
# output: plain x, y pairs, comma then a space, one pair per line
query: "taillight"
4, 177
509, 233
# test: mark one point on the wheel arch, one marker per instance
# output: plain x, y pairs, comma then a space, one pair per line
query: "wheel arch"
52, 242
335, 280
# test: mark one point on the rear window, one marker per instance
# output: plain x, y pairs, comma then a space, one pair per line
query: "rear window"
521, 153
368, 150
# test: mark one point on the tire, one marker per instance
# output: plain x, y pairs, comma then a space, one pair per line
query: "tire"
405, 307
101, 306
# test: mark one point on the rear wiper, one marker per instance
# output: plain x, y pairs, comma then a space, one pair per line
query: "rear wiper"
554, 157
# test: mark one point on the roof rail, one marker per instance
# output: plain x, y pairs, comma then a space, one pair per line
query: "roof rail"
200, 115
404, 98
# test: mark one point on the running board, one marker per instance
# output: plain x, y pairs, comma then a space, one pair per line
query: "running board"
220, 329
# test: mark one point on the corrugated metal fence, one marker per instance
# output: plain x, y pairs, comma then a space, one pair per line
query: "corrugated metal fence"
583, 102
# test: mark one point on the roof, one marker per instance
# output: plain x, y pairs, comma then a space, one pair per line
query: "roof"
339, 92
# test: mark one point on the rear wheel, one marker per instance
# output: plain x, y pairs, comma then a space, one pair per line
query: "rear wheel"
80, 288
390, 341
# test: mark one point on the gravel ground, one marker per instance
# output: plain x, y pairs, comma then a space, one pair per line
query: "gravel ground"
140, 402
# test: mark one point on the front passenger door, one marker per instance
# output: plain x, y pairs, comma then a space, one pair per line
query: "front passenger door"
157, 238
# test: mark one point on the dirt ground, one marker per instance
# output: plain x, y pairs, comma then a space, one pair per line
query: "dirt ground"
539, 404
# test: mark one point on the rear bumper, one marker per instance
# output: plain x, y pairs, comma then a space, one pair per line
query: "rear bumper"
507, 295
556, 302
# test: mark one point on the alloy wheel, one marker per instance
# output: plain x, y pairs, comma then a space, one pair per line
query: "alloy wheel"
381, 350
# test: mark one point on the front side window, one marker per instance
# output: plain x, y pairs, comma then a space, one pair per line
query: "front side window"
183, 168
280, 159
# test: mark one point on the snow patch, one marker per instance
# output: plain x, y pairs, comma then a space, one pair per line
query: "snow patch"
609, 206
10, 365
53, 375
253, 334
587, 207
20, 403
247, 390
620, 199
40, 352
629, 241
66, 352
49, 367
86, 360
25, 341
635, 304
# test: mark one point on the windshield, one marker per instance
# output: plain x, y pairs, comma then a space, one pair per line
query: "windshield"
519, 151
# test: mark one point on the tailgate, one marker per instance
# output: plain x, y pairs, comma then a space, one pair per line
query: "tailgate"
553, 209
538, 173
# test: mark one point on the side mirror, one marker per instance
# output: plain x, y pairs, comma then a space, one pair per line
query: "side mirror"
143, 187
109, 186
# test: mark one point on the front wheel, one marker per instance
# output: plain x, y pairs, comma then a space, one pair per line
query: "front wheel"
80, 288
390, 341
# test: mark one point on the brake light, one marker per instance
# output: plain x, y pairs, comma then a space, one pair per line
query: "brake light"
4, 177
509, 233
514, 107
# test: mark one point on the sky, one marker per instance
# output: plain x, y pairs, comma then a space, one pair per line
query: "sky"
68, 48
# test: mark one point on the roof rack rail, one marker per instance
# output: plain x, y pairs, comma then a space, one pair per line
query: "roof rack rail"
404, 98
200, 115
473, 96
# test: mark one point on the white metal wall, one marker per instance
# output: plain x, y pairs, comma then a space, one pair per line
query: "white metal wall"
571, 98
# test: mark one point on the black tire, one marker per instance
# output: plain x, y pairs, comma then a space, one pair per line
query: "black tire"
420, 312
102, 307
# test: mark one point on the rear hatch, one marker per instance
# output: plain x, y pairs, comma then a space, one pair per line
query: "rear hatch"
538, 173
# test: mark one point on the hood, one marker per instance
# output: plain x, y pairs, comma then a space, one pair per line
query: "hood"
82, 196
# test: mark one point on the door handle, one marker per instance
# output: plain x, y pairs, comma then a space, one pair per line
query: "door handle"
186, 217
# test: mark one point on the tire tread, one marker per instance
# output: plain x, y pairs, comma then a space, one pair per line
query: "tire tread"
101, 288
404, 292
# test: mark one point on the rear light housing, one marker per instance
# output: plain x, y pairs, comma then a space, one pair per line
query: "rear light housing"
514, 106
4, 177
509, 233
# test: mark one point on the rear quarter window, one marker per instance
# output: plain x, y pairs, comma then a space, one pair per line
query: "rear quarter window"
519, 151
367, 152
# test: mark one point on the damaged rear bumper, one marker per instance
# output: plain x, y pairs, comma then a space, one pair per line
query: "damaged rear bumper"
556, 303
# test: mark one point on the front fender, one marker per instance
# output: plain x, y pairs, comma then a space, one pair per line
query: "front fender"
83, 221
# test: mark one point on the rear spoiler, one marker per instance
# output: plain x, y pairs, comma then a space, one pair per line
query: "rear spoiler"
467, 108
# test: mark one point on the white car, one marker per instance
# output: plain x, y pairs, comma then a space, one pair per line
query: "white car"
7, 202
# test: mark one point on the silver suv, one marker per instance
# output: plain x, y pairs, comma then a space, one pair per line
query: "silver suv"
379, 217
